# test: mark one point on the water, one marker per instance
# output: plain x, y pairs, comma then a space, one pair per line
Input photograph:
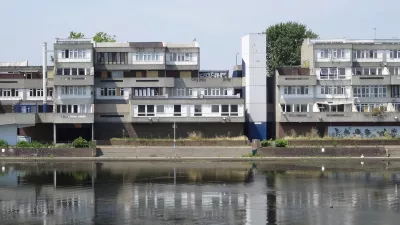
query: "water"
287, 192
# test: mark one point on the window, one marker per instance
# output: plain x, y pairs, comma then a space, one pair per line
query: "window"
286, 108
300, 108
224, 110
395, 93
215, 91
7, 92
181, 57
234, 110
146, 91
197, 110
333, 90
332, 53
36, 92
332, 73
206, 92
81, 71
121, 92
190, 92
111, 91
150, 110
67, 71
160, 109
225, 91
65, 54
101, 58
141, 110
73, 90
112, 57
367, 107
215, 108
74, 71
180, 92
365, 54
370, 91
395, 54
367, 71
295, 90
177, 110
50, 92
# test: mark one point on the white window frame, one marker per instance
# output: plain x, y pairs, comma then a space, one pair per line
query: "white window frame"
180, 92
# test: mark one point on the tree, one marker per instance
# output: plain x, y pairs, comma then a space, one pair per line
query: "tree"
284, 42
75, 35
103, 37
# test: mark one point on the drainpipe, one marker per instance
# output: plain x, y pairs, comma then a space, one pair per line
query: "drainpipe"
44, 77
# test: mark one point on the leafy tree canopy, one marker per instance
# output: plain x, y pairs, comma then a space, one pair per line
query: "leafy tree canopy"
284, 42
98, 37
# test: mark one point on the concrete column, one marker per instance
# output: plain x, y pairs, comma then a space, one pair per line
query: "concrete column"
54, 134
92, 131
55, 178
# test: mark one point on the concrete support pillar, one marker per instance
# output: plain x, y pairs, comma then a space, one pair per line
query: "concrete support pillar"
92, 131
54, 134
55, 178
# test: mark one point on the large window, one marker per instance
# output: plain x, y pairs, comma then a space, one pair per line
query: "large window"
215, 108
367, 71
73, 71
180, 92
332, 53
73, 90
215, 91
367, 107
9, 92
332, 73
294, 107
181, 57
75, 54
365, 54
333, 90
295, 90
146, 92
35, 92
147, 57
395, 54
331, 108
73, 109
229, 110
112, 58
370, 91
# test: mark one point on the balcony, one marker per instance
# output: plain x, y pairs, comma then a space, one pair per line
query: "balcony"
135, 82
332, 117
74, 80
189, 118
197, 82
18, 119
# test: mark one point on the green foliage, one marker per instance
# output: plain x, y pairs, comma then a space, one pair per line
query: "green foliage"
281, 143
80, 143
33, 144
3, 143
266, 143
378, 111
103, 37
284, 42
75, 35
23, 144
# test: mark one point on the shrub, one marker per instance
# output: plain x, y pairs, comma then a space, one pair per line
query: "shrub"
281, 143
80, 143
3, 143
292, 133
23, 144
266, 143
194, 135
313, 133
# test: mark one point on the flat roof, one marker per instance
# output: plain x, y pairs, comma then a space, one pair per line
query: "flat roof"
353, 41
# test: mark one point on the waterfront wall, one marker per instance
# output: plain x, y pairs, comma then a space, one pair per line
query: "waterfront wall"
326, 152
48, 152
344, 142
166, 143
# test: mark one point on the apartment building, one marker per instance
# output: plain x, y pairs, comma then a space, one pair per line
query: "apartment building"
344, 87
101, 91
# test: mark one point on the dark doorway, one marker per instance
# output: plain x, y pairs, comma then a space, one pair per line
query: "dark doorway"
66, 133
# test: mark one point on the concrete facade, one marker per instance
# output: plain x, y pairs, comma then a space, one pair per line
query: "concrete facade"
105, 90
339, 81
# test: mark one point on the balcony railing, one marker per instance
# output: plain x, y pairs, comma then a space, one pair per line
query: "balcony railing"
332, 77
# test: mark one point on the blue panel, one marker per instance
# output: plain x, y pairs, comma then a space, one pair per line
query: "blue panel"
257, 131
243, 68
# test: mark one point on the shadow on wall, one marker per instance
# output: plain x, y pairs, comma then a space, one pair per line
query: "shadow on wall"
107, 131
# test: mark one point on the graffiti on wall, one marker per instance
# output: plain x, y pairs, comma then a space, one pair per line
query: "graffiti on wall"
363, 131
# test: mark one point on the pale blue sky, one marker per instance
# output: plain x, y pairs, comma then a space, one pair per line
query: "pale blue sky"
218, 25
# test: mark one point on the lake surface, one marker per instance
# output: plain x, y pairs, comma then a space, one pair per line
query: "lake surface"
287, 192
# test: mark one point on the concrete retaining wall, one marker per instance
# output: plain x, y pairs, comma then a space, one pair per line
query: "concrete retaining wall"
338, 142
328, 152
167, 143
48, 152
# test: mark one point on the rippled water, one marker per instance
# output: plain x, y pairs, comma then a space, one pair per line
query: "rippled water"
288, 192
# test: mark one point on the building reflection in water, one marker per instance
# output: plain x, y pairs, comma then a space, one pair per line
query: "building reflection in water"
132, 193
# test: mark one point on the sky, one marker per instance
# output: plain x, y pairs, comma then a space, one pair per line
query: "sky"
217, 25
